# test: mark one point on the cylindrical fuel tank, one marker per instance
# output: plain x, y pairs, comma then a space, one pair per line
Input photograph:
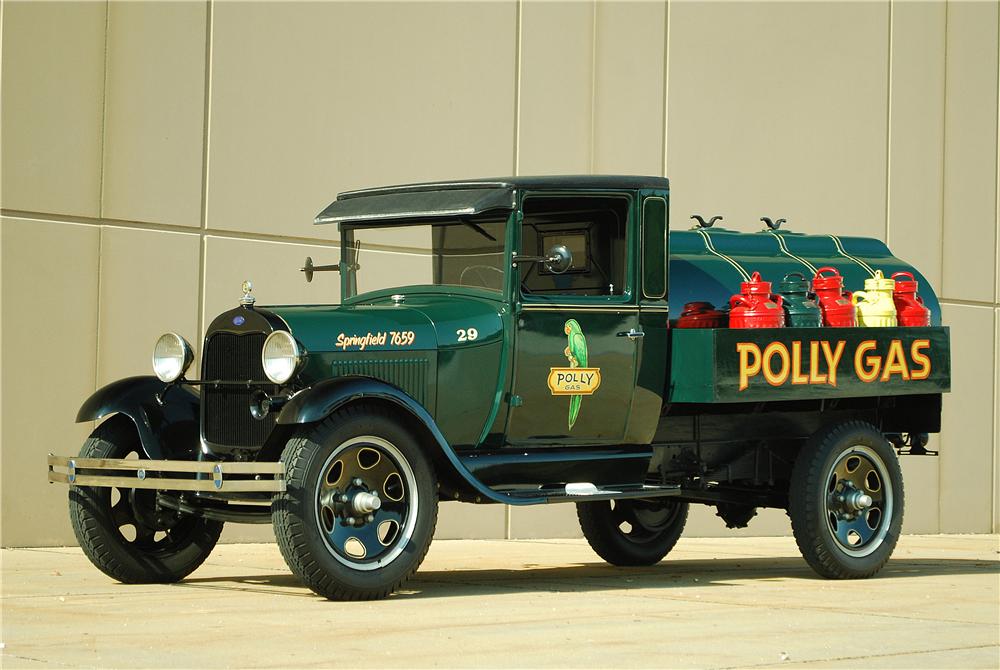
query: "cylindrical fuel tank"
835, 303
875, 305
702, 315
801, 311
755, 306
910, 308
710, 264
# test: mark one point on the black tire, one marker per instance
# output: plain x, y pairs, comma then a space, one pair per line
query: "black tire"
840, 534
162, 545
654, 526
323, 464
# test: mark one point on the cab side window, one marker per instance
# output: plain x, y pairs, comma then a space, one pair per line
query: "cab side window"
592, 228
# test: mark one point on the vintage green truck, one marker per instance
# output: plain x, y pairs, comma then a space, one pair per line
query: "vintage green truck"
512, 341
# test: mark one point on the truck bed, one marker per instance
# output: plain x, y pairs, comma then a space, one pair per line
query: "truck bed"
725, 365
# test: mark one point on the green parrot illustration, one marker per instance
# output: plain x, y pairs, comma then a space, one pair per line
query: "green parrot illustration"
576, 353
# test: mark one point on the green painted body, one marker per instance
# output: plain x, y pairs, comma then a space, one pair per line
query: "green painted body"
493, 392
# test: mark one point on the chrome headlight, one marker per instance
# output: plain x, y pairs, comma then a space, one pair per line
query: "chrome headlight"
281, 356
172, 356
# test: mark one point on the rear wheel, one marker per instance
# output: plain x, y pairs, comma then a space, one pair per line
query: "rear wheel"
123, 532
632, 532
360, 507
846, 501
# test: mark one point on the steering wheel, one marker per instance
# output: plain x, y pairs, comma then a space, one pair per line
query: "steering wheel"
482, 279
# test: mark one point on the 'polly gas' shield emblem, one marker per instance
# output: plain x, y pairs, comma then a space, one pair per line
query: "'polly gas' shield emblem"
577, 380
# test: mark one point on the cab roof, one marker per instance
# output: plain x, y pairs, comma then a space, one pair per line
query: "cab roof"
464, 197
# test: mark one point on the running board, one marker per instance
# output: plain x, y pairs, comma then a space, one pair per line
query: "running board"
583, 492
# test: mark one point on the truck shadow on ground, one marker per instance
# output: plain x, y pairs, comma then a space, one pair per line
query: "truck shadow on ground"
583, 577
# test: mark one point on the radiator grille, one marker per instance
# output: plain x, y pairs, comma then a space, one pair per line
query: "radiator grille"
409, 374
225, 410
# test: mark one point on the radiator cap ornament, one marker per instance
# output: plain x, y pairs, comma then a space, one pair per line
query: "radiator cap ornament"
247, 299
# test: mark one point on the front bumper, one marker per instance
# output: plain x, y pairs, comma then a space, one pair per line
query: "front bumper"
227, 477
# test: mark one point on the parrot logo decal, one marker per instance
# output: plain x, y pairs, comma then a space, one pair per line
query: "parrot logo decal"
578, 379
576, 353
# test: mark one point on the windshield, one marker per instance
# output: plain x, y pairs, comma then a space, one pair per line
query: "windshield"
467, 252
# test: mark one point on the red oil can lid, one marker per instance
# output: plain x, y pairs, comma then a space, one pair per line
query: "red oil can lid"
905, 282
756, 285
827, 278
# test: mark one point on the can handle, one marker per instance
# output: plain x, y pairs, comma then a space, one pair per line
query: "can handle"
819, 272
793, 274
737, 299
854, 298
779, 300
903, 274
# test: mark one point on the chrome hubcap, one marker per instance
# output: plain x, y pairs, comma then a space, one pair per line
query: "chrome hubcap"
859, 501
366, 503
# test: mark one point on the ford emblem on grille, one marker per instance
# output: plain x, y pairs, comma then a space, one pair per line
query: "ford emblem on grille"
239, 320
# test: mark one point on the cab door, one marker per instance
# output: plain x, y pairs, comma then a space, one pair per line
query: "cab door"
576, 333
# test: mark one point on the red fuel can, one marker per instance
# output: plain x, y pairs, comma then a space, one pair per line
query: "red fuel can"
834, 302
756, 307
910, 308
701, 315
756, 286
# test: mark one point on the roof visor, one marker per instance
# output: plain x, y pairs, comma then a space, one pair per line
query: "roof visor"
417, 204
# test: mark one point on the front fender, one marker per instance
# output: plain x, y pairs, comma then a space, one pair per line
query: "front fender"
169, 430
322, 399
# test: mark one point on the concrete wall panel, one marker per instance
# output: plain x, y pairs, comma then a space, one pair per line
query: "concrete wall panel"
779, 109
155, 112
53, 96
970, 177
966, 460
628, 88
149, 285
273, 267
544, 521
459, 521
557, 80
916, 134
48, 368
313, 98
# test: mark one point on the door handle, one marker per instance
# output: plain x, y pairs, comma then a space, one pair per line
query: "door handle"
632, 334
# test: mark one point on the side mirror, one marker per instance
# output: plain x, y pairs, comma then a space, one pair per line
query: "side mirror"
559, 259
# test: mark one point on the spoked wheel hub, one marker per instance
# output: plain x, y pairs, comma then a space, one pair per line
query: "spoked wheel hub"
366, 504
859, 501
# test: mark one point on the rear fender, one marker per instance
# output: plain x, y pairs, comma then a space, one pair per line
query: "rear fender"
167, 430
322, 399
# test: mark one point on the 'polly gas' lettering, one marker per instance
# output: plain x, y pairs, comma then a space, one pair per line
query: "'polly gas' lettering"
817, 364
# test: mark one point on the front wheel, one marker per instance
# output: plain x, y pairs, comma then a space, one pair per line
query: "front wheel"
846, 501
360, 507
632, 532
123, 531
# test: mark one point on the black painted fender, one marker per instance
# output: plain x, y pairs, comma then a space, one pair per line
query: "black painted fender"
170, 430
322, 399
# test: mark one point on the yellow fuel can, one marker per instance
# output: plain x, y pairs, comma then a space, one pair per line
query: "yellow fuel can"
874, 305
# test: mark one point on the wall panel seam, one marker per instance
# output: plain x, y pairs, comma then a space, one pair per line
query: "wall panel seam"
517, 87
888, 125
168, 228
593, 86
205, 135
97, 304
968, 303
104, 108
666, 80
944, 178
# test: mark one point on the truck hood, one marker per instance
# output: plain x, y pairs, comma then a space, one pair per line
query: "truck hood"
421, 322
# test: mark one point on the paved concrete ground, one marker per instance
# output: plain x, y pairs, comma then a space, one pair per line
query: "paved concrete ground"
713, 603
